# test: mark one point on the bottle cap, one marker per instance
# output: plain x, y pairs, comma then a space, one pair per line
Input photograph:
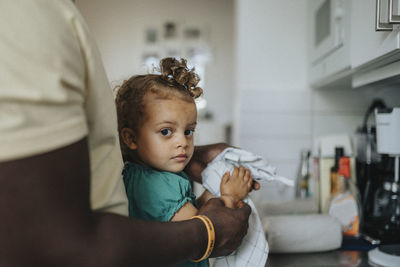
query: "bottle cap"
339, 152
344, 167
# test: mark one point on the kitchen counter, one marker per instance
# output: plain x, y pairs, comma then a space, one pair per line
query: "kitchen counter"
353, 253
335, 258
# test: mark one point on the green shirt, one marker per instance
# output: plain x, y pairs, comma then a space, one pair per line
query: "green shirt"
157, 195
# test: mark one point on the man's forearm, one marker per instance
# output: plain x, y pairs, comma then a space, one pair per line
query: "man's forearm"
149, 243
46, 220
111, 240
120, 241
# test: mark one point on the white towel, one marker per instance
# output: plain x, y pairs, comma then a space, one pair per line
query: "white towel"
254, 248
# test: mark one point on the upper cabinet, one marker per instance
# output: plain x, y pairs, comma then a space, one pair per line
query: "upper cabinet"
372, 36
375, 44
366, 41
329, 45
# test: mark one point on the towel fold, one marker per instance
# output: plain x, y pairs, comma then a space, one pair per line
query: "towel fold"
254, 248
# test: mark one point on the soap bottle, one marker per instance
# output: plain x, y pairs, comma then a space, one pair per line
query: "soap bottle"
337, 181
344, 204
303, 189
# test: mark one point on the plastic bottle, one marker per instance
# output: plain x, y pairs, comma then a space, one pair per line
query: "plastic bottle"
337, 181
303, 189
344, 204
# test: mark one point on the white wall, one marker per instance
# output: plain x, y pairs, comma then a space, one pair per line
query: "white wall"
119, 28
273, 111
342, 110
276, 113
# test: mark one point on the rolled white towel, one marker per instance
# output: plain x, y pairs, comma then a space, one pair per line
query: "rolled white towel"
253, 252
302, 233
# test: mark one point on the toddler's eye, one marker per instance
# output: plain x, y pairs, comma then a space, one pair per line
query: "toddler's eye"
189, 132
166, 132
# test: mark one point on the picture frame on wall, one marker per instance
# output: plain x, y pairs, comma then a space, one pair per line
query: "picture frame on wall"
151, 35
170, 30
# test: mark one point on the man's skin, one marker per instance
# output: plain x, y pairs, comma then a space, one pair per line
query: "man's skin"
202, 156
46, 219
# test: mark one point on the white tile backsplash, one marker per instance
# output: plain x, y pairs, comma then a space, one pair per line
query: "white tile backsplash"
277, 149
349, 101
335, 124
279, 124
340, 102
276, 125
292, 102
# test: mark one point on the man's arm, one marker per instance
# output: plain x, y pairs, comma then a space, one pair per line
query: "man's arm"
204, 155
46, 220
201, 157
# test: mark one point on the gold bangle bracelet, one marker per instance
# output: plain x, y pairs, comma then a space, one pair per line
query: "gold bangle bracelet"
211, 236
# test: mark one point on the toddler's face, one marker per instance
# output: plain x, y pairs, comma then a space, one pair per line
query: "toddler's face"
165, 138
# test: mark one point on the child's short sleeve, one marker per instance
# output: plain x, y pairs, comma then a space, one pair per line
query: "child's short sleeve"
155, 195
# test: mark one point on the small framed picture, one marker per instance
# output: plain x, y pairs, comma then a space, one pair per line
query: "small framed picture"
151, 36
170, 30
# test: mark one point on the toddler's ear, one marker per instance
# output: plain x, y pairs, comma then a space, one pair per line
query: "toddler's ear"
128, 136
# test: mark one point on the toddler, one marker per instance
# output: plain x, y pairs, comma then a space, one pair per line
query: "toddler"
156, 120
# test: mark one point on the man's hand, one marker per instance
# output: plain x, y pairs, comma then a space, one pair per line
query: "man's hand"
201, 157
230, 225
204, 155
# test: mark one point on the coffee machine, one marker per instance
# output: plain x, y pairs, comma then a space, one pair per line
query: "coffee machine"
381, 203
378, 150
382, 222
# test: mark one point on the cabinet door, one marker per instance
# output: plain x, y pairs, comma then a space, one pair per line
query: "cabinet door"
368, 45
329, 47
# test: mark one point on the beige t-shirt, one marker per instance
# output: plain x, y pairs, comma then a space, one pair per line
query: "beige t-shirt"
54, 92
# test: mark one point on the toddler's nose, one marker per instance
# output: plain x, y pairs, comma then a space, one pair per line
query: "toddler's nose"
181, 141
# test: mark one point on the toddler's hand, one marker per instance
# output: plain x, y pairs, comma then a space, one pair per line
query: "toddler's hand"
235, 187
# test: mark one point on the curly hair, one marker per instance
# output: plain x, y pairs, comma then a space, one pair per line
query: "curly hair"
175, 78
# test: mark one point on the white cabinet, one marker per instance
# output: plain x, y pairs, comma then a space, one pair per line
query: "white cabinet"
366, 43
354, 42
329, 46
374, 54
